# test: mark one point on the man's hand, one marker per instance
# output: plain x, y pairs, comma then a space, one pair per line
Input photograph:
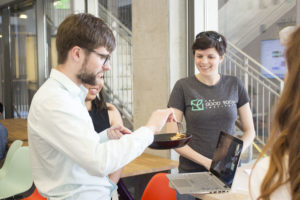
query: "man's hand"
115, 176
117, 131
158, 119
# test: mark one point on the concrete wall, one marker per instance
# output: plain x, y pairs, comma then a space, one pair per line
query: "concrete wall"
150, 58
157, 42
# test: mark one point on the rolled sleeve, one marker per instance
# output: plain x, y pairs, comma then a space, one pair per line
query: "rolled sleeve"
103, 137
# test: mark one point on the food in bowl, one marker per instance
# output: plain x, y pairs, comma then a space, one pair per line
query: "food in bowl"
178, 136
164, 141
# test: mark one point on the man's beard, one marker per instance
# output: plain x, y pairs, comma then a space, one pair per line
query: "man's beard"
85, 77
88, 78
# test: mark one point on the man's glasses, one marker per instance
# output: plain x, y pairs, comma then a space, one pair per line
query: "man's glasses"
210, 34
102, 56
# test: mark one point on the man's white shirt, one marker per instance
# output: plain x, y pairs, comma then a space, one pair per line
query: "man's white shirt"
69, 159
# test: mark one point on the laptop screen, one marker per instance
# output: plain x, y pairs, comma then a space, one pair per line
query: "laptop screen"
226, 157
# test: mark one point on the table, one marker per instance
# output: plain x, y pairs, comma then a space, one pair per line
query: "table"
17, 130
148, 163
239, 190
140, 171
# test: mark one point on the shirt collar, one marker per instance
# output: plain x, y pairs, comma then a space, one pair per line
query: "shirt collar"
66, 82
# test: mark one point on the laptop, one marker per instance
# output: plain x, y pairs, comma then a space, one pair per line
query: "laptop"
221, 174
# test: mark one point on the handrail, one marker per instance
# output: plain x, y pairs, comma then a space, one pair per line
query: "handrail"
257, 79
254, 61
253, 69
127, 33
115, 19
253, 17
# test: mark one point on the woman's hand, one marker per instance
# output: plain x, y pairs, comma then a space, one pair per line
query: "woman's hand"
117, 131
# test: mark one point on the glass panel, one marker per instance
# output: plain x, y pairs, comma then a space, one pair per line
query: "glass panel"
118, 82
121, 9
56, 12
1, 63
23, 44
247, 24
23, 56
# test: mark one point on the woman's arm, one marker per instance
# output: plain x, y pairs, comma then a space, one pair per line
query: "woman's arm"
247, 125
186, 151
114, 115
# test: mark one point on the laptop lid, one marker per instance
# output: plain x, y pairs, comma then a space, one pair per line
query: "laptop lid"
226, 158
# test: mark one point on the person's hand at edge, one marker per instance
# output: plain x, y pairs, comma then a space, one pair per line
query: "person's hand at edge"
117, 131
158, 119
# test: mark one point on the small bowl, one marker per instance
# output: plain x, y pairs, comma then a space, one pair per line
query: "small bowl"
163, 141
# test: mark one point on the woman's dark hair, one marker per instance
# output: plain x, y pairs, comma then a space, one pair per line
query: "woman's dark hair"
210, 39
100, 103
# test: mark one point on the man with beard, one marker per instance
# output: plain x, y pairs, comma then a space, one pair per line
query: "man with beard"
69, 159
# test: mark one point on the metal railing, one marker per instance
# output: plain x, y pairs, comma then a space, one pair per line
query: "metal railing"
118, 81
262, 85
120, 10
21, 98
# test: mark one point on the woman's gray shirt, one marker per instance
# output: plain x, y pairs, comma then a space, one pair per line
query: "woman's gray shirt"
207, 111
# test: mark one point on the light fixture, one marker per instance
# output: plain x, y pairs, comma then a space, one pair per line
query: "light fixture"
0, 36
56, 3
23, 16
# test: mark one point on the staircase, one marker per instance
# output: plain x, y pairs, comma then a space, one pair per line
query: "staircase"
249, 18
263, 92
118, 81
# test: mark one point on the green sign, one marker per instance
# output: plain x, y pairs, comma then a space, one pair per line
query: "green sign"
62, 4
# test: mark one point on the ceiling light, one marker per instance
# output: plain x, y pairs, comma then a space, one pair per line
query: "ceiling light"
23, 16
56, 3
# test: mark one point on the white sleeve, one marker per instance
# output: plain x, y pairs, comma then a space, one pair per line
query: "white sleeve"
103, 137
70, 131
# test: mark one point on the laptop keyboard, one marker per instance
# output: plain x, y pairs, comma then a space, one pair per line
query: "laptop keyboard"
205, 181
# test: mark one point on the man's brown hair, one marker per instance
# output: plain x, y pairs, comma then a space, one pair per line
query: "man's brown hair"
83, 30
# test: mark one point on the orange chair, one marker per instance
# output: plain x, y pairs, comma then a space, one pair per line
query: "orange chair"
35, 196
158, 189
